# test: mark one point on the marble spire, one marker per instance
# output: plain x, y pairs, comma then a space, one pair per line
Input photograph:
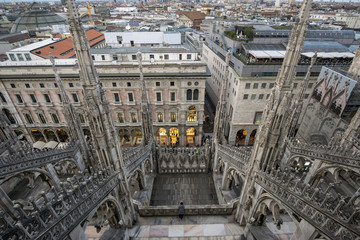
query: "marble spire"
146, 113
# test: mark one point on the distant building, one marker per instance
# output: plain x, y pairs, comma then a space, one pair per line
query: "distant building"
37, 17
175, 81
136, 39
190, 18
59, 48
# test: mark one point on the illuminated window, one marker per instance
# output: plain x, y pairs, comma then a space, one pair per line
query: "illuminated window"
173, 117
160, 117
133, 117
121, 117
191, 114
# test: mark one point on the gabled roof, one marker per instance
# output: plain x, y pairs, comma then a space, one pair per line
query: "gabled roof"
64, 48
192, 15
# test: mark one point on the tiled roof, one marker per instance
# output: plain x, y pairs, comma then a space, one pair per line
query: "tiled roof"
11, 38
192, 15
64, 48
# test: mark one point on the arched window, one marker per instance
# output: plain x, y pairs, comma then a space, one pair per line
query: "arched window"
192, 114
29, 118
41, 118
81, 117
55, 118
196, 94
160, 117
189, 94
121, 117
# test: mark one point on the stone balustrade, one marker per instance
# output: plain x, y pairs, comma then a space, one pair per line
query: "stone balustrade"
239, 157
334, 154
56, 214
183, 159
133, 157
224, 209
335, 216
19, 162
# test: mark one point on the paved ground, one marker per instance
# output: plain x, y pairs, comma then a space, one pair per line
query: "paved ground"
190, 227
192, 189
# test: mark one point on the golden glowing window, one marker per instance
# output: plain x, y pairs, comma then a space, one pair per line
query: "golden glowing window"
162, 132
160, 117
190, 132
133, 117
192, 114
173, 117
121, 117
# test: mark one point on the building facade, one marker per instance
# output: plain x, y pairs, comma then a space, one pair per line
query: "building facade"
251, 82
175, 82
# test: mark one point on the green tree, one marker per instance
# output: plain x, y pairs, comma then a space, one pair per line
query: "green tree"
249, 32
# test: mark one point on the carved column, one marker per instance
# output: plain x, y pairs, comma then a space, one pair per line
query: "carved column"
51, 170
247, 138
224, 180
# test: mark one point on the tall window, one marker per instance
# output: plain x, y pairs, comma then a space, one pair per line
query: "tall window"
29, 118
158, 97
47, 98
116, 97
189, 94
41, 118
19, 98
33, 98
55, 118
160, 117
131, 97
257, 118
75, 97
192, 114
121, 117
173, 117
81, 117
172, 96
196, 94
133, 117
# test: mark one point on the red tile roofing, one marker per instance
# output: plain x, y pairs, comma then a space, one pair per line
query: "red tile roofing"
64, 48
